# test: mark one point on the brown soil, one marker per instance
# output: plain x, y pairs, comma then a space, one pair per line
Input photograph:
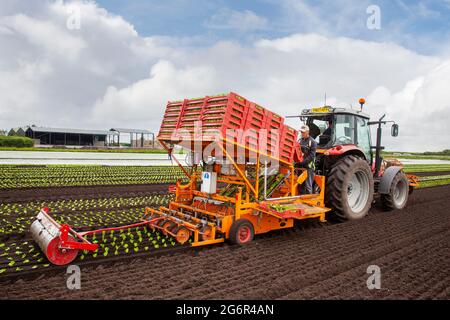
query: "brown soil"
55, 193
430, 174
329, 261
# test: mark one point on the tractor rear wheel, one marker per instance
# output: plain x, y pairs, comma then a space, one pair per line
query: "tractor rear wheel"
241, 232
398, 193
349, 189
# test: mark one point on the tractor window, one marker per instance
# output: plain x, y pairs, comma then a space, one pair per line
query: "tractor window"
363, 133
320, 130
344, 129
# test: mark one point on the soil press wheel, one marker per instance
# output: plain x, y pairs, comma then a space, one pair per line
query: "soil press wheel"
47, 237
207, 234
182, 234
167, 226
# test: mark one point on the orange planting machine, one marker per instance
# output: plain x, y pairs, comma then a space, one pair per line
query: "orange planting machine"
242, 179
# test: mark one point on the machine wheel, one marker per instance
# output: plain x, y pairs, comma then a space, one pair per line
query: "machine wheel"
241, 232
166, 226
182, 234
160, 223
60, 257
207, 234
398, 193
349, 189
149, 218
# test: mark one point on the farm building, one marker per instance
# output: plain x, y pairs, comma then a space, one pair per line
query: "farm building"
19, 132
139, 138
69, 137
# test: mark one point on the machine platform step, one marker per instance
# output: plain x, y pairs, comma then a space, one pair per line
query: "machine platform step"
291, 210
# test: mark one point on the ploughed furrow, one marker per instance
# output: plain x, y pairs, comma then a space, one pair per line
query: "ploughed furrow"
281, 264
19, 254
16, 218
273, 283
21, 258
87, 192
405, 273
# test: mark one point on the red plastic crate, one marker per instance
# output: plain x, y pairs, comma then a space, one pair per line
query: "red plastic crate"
220, 114
256, 117
215, 113
288, 143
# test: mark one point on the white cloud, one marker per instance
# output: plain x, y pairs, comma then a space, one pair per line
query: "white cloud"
422, 108
239, 20
45, 35
147, 97
81, 64
106, 75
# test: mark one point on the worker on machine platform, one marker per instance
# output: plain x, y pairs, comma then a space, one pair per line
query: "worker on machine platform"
309, 146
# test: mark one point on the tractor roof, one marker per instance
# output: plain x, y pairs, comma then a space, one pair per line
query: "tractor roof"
327, 110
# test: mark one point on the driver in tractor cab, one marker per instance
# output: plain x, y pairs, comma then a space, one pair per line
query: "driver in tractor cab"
328, 131
309, 146
325, 137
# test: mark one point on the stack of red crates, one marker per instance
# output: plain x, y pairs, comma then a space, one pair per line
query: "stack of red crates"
232, 117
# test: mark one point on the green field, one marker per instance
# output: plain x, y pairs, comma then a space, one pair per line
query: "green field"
418, 156
124, 150
35, 176
434, 181
427, 167
29, 176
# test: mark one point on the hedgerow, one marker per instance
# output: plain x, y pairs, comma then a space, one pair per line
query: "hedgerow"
17, 142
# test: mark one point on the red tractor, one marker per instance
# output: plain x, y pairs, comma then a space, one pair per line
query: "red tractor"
353, 167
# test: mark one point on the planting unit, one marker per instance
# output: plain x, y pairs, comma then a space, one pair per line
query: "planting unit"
250, 165
232, 204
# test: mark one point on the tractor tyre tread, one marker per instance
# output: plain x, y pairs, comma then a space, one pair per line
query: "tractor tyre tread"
387, 200
335, 183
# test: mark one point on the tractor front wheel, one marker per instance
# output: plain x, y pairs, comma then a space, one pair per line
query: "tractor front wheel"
349, 189
241, 232
398, 193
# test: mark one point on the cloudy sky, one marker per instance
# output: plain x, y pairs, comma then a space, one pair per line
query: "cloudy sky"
100, 64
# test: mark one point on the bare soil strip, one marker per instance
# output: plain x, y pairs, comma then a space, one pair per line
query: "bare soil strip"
55, 193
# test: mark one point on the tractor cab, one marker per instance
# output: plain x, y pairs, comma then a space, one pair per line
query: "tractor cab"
340, 131
332, 127
354, 167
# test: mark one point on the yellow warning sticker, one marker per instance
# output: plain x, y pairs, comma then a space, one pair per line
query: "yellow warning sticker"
320, 110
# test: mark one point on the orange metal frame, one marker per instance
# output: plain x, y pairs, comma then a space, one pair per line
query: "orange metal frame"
184, 209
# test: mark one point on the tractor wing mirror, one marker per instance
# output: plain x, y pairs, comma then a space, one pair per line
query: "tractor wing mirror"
394, 130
